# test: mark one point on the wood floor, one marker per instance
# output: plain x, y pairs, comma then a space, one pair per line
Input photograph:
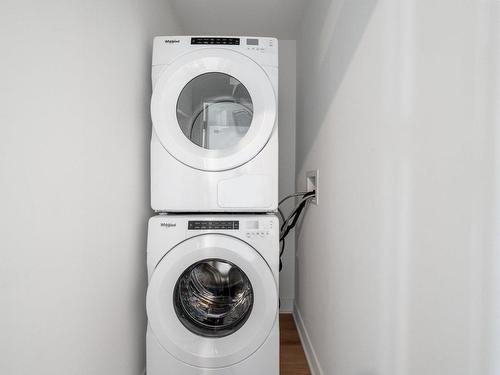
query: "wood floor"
292, 358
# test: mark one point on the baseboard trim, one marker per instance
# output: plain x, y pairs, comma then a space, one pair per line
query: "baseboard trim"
286, 305
311, 356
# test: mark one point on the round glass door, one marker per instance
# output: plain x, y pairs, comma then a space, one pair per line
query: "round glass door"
212, 301
214, 111
213, 298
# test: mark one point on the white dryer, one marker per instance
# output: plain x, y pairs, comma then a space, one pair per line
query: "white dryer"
212, 299
214, 146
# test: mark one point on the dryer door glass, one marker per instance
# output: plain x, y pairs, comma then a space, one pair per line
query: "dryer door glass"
214, 111
213, 298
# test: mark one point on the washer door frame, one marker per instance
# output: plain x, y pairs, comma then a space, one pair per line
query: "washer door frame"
172, 80
208, 352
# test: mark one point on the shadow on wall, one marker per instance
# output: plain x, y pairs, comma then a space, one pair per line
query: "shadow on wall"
339, 37
146, 162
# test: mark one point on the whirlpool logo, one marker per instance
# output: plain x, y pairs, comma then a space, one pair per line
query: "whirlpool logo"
172, 41
168, 225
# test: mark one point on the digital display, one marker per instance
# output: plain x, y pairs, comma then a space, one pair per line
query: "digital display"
215, 40
213, 224
252, 42
252, 224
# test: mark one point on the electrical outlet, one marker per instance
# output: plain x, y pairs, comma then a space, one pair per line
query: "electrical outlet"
312, 183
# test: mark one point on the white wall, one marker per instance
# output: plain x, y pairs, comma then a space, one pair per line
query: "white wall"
276, 18
398, 266
287, 78
74, 191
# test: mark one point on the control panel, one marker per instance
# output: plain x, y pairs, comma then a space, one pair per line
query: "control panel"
215, 41
262, 44
250, 44
213, 225
257, 228
250, 228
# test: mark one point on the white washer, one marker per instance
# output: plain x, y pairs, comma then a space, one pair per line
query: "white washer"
214, 146
212, 299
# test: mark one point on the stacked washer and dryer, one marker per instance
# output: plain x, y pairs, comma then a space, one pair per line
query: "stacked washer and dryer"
213, 249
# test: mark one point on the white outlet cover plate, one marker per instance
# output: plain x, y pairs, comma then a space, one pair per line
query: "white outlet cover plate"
313, 175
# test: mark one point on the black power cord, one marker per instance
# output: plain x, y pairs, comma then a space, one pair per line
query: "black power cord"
290, 223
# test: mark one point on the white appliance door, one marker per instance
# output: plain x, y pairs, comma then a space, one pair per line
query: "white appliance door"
213, 109
212, 301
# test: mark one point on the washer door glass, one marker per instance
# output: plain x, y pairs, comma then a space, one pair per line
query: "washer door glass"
214, 111
213, 298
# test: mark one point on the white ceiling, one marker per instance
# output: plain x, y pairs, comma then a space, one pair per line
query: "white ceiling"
276, 18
